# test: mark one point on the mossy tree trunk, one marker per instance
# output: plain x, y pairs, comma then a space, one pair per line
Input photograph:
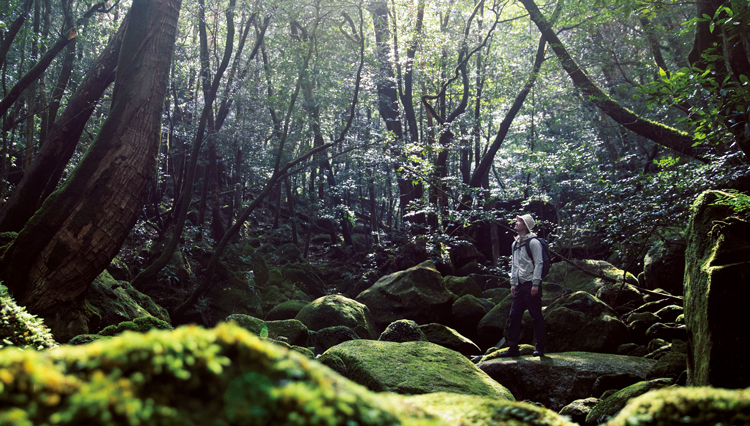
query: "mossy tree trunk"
663, 135
79, 228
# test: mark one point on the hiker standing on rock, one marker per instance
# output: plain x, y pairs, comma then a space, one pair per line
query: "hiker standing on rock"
526, 285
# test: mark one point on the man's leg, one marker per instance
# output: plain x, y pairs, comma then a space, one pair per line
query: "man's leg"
517, 308
534, 304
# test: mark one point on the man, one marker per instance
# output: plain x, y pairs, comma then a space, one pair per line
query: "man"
526, 286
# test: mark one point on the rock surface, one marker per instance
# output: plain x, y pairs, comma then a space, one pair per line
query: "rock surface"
717, 288
558, 379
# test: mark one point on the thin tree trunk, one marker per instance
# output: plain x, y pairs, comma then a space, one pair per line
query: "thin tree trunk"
55, 152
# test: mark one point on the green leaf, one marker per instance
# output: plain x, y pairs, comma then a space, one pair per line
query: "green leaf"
264, 332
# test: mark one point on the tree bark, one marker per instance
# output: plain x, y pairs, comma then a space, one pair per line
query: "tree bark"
80, 228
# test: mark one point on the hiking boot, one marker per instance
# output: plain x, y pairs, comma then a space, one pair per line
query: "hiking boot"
539, 351
510, 353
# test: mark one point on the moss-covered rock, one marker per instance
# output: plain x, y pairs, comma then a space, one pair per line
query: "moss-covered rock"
414, 368
557, 379
608, 407
445, 336
717, 287
333, 310
418, 294
189, 376
291, 331
111, 302
693, 405
475, 410
579, 409
581, 322
286, 310
331, 336
403, 331
466, 313
574, 279
20, 328
139, 325
462, 286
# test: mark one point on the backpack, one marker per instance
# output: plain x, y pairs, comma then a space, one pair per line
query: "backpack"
546, 258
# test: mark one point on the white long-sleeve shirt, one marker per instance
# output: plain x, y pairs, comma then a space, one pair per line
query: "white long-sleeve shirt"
523, 268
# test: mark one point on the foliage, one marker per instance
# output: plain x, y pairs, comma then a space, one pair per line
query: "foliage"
738, 201
20, 328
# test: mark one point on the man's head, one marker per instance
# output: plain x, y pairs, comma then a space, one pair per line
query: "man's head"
524, 224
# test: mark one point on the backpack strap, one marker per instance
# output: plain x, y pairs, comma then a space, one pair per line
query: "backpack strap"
527, 244
528, 250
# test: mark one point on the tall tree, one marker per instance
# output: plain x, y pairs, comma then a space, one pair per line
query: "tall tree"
79, 228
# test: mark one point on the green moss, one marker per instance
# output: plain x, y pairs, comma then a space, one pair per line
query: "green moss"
414, 368
474, 410
19, 328
695, 406
140, 325
189, 376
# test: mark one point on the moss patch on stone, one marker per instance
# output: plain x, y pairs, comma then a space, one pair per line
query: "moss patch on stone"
694, 405
414, 368
474, 410
189, 376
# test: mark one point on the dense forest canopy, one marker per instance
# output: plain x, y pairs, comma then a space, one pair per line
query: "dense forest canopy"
412, 119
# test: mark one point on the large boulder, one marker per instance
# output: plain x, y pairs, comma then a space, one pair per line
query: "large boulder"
189, 376
664, 266
696, 405
413, 368
717, 288
581, 322
574, 279
418, 294
450, 338
334, 310
558, 379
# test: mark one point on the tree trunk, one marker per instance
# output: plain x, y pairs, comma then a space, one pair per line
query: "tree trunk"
49, 164
80, 228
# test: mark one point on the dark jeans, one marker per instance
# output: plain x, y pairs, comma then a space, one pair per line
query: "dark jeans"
522, 301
